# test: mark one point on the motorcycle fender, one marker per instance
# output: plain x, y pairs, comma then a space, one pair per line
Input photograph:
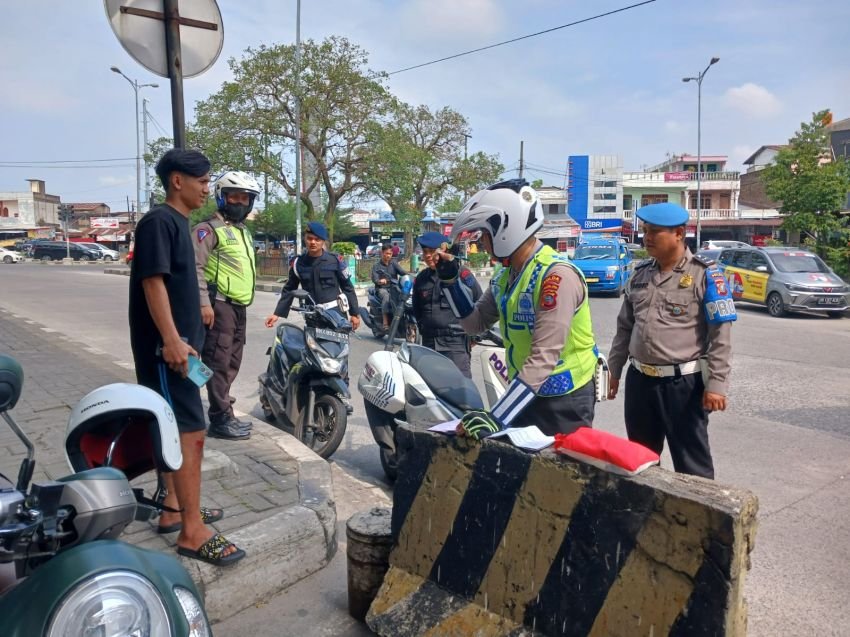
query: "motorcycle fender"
26, 609
494, 369
334, 383
381, 382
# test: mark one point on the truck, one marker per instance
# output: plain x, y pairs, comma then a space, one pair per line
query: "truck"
606, 263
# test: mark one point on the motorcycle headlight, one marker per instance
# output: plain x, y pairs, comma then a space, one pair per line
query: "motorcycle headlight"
195, 617
330, 364
115, 604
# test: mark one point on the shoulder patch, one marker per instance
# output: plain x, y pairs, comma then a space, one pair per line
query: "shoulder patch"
202, 234
703, 261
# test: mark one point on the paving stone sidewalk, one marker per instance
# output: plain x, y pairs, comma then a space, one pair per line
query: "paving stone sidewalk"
277, 494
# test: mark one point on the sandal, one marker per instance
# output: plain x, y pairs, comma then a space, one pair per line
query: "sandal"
208, 516
212, 551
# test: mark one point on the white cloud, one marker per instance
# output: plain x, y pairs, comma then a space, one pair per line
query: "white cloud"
448, 19
753, 100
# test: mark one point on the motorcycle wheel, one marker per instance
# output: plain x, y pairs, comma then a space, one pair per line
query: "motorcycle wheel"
330, 418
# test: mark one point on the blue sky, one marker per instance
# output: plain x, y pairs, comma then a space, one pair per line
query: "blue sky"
611, 86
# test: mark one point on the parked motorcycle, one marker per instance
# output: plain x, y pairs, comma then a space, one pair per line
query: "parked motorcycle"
63, 571
373, 314
303, 387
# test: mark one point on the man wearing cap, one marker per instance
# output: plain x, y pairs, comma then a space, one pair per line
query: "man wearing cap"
674, 333
385, 272
323, 274
440, 329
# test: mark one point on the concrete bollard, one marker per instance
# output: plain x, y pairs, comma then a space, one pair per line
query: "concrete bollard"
369, 542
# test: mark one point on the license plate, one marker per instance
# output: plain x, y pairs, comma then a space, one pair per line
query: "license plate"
830, 300
593, 279
330, 335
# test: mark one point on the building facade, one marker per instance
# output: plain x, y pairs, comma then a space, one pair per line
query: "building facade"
595, 192
31, 210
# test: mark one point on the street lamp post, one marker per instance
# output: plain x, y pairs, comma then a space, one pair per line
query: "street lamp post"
698, 79
136, 86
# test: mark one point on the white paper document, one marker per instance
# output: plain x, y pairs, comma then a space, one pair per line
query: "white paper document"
530, 438
447, 427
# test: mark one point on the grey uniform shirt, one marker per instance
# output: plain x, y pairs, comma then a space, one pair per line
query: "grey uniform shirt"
551, 326
204, 239
662, 322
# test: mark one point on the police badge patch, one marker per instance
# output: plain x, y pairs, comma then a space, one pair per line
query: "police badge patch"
203, 233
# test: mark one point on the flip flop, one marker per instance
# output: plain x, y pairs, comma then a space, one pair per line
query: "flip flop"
212, 551
208, 516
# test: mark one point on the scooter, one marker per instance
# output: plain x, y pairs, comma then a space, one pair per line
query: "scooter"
415, 386
304, 384
373, 315
63, 571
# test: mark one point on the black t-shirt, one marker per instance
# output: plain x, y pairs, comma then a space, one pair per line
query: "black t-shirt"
163, 246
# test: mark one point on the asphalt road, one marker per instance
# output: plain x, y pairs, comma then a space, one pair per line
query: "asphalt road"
786, 436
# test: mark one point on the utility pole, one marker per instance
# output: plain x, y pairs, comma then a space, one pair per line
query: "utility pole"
145, 147
521, 164
465, 139
298, 127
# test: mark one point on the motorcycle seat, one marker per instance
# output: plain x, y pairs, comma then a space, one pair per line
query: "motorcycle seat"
293, 342
444, 378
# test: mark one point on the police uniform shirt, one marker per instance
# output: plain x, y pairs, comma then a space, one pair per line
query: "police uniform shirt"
205, 242
663, 322
323, 277
552, 323
430, 306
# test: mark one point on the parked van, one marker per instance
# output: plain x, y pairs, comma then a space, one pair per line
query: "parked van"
57, 250
606, 264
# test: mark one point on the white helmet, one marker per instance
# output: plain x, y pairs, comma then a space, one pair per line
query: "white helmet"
125, 426
509, 210
241, 182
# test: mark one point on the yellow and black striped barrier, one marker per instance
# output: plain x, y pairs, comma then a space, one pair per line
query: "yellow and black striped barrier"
489, 540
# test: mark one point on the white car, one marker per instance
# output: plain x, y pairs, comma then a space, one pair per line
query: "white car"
7, 256
106, 253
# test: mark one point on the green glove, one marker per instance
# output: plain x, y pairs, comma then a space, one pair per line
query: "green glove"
479, 424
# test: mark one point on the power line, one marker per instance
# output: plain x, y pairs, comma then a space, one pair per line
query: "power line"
84, 167
524, 37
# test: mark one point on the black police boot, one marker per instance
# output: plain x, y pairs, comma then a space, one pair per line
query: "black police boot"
244, 424
228, 429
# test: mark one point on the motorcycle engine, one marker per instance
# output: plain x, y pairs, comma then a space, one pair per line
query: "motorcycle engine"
102, 503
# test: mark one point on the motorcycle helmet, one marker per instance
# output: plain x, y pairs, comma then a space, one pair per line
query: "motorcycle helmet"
509, 210
237, 181
125, 426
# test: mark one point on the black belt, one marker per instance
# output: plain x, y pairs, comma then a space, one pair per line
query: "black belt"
230, 301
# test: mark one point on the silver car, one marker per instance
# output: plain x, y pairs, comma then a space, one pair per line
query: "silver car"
785, 280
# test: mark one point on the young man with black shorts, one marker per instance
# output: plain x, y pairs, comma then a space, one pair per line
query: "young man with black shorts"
165, 329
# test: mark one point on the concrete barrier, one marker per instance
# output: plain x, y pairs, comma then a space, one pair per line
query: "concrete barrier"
489, 540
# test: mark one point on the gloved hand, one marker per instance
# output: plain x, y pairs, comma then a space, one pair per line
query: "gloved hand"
448, 267
478, 425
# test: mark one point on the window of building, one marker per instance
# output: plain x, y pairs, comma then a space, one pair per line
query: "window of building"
604, 209
706, 201
627, 202
555, 209
607, 196
646, 200
604, 184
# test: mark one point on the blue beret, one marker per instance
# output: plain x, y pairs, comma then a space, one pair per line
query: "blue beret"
318, 229
668, 214
432, 240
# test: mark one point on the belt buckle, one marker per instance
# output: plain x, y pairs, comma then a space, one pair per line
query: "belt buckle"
650, 370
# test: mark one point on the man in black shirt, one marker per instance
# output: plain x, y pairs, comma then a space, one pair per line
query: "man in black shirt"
165, 329
385, 272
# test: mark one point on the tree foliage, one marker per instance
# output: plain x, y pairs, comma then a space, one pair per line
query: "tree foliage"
246, 124
417, 159
811, 185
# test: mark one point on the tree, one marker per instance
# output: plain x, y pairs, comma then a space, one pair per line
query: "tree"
537, 183
811, 185
452, 203
417, 157
252, 118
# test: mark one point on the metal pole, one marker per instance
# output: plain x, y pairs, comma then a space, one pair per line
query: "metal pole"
138, 151
175, 72
298, 127
145, 147
699, 158
521, 166
67, 239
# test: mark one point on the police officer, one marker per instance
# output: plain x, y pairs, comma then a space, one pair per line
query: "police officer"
323, 274
541, 302
224, 259
674, 333
439, 327
385, 272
